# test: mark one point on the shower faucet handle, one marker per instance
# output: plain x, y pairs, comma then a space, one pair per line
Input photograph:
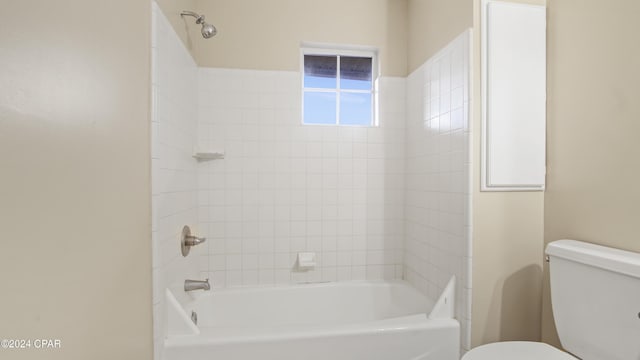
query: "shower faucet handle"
194, 240
187, 240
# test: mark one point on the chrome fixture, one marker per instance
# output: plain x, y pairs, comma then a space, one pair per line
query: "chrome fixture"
207, 30
190, 285
187, 240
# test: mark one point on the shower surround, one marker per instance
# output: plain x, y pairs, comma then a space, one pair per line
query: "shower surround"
437, 242
386, 202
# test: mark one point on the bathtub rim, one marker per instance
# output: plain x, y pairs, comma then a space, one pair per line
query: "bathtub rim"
412, 323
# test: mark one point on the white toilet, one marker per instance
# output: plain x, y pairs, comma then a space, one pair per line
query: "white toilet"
595, 295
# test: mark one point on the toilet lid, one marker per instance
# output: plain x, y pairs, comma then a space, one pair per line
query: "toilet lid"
517, 350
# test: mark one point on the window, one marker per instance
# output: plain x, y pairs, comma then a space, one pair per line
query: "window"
338, 87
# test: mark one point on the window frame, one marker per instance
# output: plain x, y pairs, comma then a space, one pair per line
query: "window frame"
340, 51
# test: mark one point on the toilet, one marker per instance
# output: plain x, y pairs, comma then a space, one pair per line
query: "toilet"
595, 296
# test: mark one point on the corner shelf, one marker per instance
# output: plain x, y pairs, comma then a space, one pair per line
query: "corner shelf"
208, 155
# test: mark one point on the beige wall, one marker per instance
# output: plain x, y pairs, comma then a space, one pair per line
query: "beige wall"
408, 32
432, 25
507, 265
75, 259
593, 126
507, 246
266, 35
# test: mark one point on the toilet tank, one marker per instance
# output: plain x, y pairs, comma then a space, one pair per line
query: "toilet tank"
595, 295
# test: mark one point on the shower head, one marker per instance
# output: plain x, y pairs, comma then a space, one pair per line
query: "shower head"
207, 30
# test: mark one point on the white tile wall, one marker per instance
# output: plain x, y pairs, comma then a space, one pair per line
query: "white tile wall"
438, 184
174, 171
285, 188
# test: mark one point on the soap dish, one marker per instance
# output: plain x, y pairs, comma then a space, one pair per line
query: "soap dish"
306, 260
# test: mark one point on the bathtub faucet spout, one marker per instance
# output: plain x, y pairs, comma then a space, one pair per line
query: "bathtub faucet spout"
190, 285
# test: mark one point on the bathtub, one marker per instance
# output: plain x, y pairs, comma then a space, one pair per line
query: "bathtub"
337, 321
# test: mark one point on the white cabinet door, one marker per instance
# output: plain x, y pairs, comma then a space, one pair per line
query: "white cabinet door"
514, 96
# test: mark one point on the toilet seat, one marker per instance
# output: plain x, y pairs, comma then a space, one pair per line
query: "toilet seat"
517, 350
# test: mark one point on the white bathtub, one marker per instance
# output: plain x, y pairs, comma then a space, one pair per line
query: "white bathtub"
332, 321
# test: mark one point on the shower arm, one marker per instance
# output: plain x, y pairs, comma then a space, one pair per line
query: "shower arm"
199, 18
